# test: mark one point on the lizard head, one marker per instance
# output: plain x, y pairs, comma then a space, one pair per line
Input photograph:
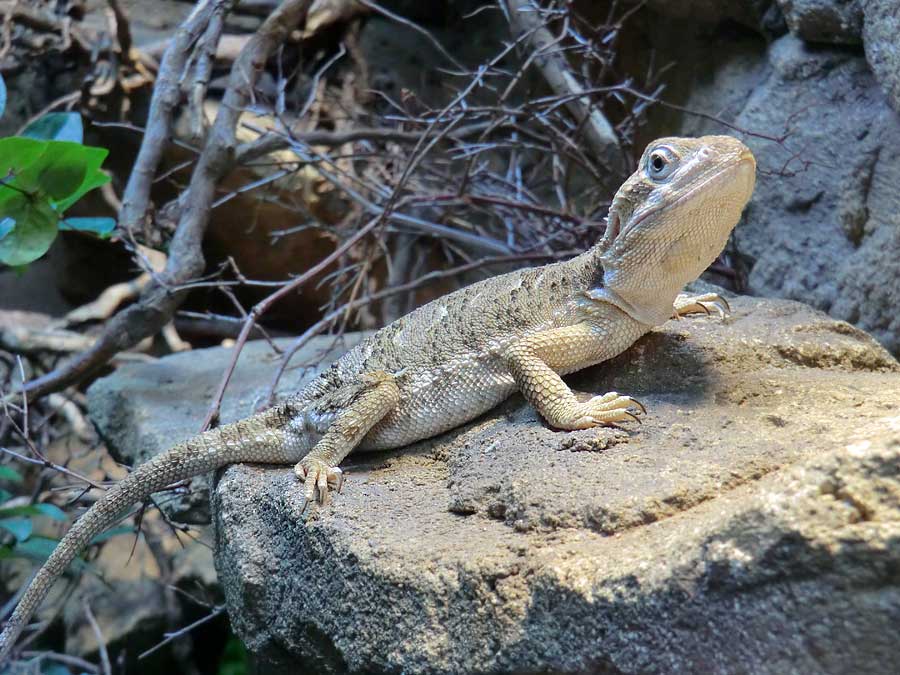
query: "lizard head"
671, 219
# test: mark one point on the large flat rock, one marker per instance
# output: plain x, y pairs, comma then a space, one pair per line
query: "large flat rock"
751, 524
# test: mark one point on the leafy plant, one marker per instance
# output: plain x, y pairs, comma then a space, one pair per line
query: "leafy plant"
42, 173
17, 521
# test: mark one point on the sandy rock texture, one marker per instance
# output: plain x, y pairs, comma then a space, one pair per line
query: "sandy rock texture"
751, 524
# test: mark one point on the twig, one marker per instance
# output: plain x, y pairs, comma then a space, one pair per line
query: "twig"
158, 302
263, 305
206, 54
218, 610
166, 96
416, 27
105, 666
65, 659
50, 465
598, 132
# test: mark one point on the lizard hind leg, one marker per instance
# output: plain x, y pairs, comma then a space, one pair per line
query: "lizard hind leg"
355, 409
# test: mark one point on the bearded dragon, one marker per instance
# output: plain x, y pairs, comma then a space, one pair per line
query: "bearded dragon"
455, 358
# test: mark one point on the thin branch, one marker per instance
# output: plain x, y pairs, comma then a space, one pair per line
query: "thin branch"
217, 611
105, 666
166, 97
598, 132
158, 302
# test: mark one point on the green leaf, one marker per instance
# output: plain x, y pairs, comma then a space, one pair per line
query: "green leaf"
50, 668
39, 549
20, 528
109, 534
10, 474
16, 155
61, 179
234, 658
56, 127
93, 176
35, 548
5, 495
47, 510
64, 170
99, 226
2, 95
51, 511
36, 228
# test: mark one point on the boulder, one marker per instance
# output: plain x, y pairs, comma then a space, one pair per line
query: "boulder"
881, 31
824, 222
750, 524
830, 21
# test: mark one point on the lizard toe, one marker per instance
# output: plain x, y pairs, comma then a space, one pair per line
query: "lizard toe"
606, 410
706, 304
317, 477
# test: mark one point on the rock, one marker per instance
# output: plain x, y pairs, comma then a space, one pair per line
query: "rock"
143, 409
881, 31
751, 524
831, 21
824, 222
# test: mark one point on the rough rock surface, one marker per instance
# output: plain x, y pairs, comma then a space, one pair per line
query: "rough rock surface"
824, 222
881, 32
751, 524
834, 21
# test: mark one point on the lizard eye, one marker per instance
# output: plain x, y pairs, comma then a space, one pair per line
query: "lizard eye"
661, 163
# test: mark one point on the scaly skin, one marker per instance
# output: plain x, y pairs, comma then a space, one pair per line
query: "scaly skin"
457, 357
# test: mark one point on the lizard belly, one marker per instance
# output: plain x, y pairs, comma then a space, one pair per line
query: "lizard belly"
443, 399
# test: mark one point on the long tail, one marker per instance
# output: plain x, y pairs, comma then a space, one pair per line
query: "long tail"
264, 438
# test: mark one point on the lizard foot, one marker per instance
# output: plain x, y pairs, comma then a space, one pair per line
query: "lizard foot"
317, 477
697, 304
603, 410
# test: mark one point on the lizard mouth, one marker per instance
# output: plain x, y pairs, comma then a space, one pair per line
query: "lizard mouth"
724, 175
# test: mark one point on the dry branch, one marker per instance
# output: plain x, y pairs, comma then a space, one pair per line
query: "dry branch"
165, 99
525, 17
159, 301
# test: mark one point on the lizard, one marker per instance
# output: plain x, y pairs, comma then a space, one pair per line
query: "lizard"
458, 356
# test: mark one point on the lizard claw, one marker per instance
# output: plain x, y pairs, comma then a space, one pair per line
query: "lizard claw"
605, 410
705, 303
317, 476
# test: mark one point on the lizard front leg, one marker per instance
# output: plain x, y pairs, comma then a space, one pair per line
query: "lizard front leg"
536, 361
378, 396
